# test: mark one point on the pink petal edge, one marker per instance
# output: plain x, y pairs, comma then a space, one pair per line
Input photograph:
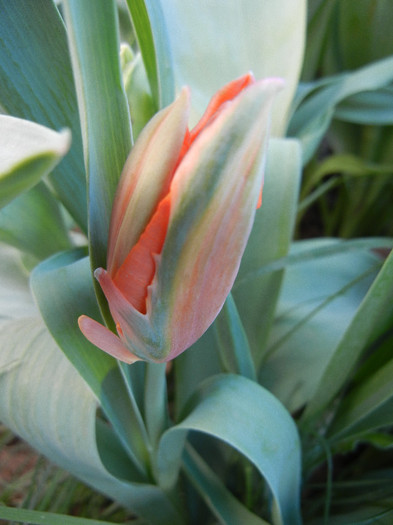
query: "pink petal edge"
104, 339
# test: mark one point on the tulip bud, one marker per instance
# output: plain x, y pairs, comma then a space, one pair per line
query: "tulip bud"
181, 219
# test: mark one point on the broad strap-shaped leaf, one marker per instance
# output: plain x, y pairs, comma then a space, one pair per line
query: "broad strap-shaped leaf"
264, 432
370, 316
28, 151
103, 108
324, 284
232, 37
269, 240
152, 35
63, 290
44, 400
36, 84
34, 224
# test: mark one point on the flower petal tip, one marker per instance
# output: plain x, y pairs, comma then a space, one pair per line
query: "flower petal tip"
105, 340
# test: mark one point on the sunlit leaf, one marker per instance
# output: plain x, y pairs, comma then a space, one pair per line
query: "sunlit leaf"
215, 42
45, 401
36, 84
28, 151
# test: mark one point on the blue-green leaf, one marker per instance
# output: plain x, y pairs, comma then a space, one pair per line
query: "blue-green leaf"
247, 417
103, 108
64, 290
370, 316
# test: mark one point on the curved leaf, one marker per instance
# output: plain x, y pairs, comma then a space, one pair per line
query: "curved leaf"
28, 151
36, 84
63, 289
246, 416
45, 401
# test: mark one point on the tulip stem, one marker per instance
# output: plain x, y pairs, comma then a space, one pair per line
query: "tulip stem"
156, 405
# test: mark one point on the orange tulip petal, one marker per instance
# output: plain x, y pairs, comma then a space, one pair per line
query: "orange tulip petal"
138, 269
228, 92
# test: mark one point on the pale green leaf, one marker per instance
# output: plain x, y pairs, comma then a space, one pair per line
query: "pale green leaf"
36, 84
214, 42
28, 151
234, 350
137, 90
45, 401
264, 432
371, 107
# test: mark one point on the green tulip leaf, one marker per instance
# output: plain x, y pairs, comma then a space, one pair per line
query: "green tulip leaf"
212, 490
34, 224
316, 102
263, 431
372, 313
230, 38
16, 300
319, 298
45, 401
103, 107
152, 35
36, 84
28, 151
269, 241
63, 289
